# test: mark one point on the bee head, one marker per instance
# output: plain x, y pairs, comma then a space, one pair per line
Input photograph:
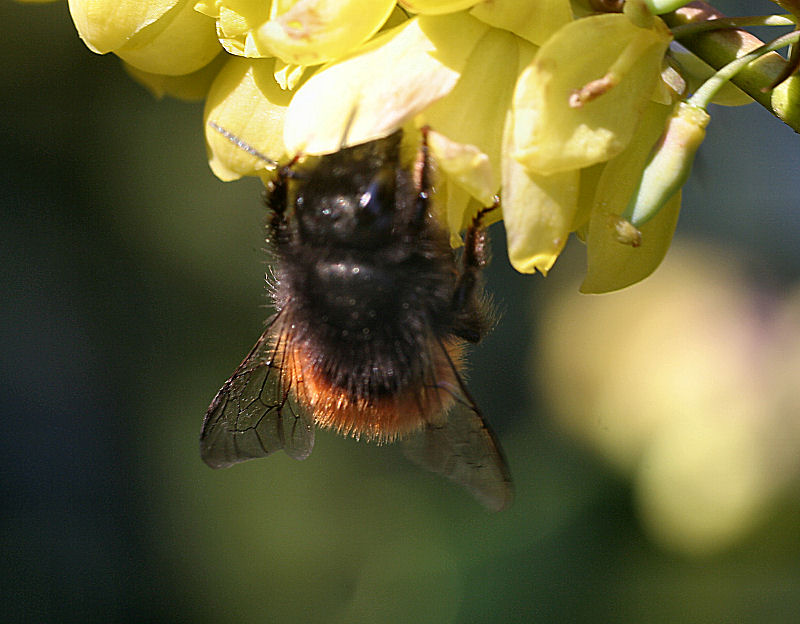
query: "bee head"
350, 198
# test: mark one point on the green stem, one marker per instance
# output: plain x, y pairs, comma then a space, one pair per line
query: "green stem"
720, 47
687, 30
703, 96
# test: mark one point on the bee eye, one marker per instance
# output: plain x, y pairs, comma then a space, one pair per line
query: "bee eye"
377, 201
370, 201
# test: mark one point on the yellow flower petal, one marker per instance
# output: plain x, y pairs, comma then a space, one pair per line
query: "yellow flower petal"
611, 264
466, 165
538, 211
372, 92
473, 113
236, 26
189, 87
179, 43
451, 203
455, 208
105, 25
288, 76
310, 32
246, 101
590, 177
436, 7
533, 21
237, 20
167, 37
617, 78
671, 87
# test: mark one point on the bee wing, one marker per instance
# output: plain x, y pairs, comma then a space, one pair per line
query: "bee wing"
464, 449
254, 414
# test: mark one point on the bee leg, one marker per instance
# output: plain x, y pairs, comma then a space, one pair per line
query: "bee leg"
422, 178
276, 197
474, 316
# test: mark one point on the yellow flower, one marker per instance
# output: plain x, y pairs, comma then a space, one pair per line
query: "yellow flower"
188, 87
452, 71
246, 101
533, 22
305, 32
573, 110
612, 264
427, 56
155, 36
436, 7
523, 101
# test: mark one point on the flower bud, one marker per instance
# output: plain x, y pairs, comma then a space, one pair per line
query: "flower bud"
669, 164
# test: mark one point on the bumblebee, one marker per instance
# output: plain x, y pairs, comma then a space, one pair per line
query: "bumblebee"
373, 310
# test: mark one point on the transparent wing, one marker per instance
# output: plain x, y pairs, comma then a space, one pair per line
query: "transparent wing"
254, 414
464, 449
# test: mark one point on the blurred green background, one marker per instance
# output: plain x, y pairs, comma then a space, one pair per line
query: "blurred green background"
133, 285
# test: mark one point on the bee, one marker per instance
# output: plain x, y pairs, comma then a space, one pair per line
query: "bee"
372, 313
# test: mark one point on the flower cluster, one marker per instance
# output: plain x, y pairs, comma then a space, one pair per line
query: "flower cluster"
551, 106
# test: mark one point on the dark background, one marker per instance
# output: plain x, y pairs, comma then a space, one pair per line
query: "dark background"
133, 285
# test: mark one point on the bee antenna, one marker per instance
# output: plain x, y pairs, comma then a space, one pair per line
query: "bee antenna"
242, 145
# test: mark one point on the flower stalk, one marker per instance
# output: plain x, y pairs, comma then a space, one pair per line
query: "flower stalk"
673, 156
720, 47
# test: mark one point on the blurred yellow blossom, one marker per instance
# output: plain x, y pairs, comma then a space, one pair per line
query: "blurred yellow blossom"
688, 385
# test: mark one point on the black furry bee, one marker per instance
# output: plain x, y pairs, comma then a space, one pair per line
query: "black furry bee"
372, 313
